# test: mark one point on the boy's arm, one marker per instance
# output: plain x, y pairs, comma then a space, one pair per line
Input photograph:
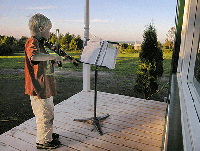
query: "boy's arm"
45, 57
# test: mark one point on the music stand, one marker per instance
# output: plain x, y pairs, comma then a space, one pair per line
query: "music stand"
101, 54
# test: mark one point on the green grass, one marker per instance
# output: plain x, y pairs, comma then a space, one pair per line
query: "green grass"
167, 63
12, 62
126, 64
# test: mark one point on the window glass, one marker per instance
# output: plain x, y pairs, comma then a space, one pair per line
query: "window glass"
197, 66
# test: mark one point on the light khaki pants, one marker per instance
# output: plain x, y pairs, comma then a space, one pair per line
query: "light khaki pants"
44, 113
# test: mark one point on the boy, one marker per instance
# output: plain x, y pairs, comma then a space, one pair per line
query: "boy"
40, 81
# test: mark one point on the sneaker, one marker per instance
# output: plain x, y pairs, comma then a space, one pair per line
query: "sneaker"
49, 145
55, 136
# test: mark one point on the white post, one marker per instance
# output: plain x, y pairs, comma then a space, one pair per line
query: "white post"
86, 67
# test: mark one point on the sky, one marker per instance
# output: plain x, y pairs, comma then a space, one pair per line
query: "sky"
115, 20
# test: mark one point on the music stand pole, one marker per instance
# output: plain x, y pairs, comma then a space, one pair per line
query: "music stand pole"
95, 92
95, 120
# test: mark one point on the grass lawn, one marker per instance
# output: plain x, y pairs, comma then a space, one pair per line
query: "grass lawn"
15, 106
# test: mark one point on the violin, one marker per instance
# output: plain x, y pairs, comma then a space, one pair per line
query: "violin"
60, 52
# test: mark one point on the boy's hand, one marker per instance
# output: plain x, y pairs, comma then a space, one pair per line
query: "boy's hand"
59, 59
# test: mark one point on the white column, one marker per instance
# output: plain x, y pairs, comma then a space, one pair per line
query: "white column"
86, 77
86, 67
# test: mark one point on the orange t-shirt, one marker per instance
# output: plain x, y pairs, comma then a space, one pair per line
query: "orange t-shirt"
39, 76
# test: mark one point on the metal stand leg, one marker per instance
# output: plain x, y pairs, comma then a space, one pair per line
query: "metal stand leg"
95, 120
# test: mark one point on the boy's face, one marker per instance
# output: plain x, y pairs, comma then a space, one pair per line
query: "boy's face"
46, 33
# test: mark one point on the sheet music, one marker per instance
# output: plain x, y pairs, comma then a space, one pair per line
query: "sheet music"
110, 58
91, 51
100, 55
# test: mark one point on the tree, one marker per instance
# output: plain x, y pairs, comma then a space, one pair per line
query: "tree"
171, 34
169, 42
65, 41
21, 43
53, 38
160, 45
8, 45
124, 45
73, 45
151, 63
130, 47
79, 42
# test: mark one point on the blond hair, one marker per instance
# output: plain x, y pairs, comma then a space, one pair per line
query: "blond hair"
38, 20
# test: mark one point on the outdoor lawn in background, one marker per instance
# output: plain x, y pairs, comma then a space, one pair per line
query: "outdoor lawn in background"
15, 107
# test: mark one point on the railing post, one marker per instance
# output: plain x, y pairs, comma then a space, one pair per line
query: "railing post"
86, 67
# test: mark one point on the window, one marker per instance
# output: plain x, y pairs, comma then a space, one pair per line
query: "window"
197, 66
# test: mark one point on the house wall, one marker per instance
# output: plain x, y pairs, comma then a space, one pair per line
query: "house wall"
189, 96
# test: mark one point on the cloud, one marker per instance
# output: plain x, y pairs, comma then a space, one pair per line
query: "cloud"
43, 7
99, 21
2, 17
74, 20
92, 21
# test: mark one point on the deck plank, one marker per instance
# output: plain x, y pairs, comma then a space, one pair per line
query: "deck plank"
133, 124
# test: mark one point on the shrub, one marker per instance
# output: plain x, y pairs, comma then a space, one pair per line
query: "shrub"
167, 50
151, 66
145, 82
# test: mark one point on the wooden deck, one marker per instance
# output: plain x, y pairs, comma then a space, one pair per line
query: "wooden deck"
133, 124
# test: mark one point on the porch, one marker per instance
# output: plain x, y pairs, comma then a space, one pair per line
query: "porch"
133, 124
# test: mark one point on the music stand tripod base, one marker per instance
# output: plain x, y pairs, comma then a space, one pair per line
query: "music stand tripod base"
94, 121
